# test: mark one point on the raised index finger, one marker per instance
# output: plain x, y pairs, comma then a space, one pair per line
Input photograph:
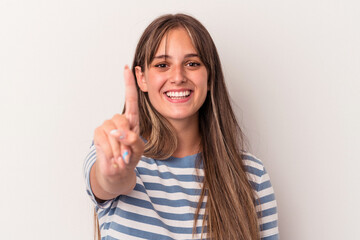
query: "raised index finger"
131, 100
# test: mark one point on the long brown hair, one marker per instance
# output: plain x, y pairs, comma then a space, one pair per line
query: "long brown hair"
230, 209
230, 212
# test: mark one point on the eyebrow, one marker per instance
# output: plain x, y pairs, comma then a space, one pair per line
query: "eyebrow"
167, 56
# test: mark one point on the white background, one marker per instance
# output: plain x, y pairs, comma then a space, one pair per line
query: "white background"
292, 69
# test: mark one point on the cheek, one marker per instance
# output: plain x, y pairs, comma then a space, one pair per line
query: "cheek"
203, 82
155, 80
152, 84
155, 84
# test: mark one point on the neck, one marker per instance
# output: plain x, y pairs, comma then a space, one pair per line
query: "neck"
188, 136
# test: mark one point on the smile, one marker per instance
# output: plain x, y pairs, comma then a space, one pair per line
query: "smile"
178, 94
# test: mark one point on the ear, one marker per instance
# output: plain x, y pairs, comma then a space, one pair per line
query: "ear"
140, 78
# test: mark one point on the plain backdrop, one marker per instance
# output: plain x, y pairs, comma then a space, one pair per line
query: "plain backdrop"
292, 69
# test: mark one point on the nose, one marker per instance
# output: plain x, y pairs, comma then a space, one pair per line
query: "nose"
178, 75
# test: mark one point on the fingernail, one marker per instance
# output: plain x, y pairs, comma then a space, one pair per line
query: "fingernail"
113, 132
125, 157
122, 134
118, 133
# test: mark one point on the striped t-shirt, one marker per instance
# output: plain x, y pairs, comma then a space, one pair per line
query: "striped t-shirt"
163, 203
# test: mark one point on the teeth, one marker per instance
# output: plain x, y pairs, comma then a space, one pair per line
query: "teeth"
178, 94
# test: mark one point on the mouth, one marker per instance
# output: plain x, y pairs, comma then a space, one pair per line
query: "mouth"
175, 95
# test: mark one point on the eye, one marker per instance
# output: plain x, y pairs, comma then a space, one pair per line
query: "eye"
161, 65
193, 64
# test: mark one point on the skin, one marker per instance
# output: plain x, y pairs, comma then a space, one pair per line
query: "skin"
112, 175
180, 70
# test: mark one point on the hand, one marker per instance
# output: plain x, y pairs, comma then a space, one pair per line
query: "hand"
118, 144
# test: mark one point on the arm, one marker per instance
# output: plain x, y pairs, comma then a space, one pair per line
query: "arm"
268, 217
118, 149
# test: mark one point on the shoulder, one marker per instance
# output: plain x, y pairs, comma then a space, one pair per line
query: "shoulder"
256, 172
252, 164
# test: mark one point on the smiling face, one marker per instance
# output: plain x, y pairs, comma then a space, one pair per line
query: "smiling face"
176, 79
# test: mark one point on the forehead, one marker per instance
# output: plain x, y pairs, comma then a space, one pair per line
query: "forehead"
175, 41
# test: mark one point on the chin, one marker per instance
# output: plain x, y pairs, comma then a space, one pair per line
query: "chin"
181, 116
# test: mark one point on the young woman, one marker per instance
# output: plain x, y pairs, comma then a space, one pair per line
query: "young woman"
173, 165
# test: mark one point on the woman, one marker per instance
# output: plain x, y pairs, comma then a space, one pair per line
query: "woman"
173, 166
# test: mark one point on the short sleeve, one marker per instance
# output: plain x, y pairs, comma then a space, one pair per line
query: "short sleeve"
88, 163
266, 205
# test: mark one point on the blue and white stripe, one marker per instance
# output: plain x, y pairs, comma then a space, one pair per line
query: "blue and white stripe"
164, 200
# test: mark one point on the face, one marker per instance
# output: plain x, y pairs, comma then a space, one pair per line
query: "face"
176, 79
